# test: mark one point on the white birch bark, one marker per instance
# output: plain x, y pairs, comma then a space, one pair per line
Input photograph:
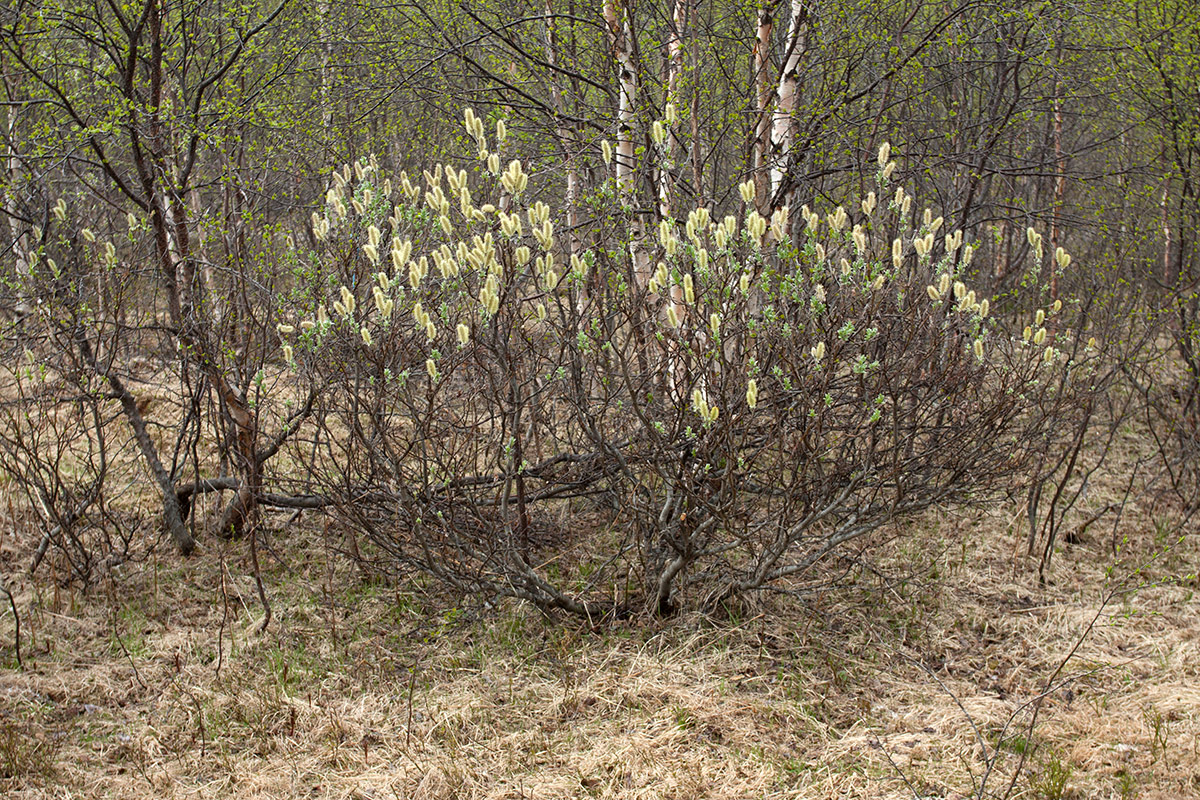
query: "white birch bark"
764, 92
616, 17
12, 168
783, 119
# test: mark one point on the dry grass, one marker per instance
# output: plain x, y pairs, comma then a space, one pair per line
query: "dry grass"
156, 683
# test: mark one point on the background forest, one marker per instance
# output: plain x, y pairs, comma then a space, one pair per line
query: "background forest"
671, 336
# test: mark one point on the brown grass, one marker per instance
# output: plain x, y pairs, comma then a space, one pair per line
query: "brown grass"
156, 683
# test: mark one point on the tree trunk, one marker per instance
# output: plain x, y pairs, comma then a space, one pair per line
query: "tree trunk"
783, 124
764, 91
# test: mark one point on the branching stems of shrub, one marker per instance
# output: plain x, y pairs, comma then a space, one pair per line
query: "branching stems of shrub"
1033, 705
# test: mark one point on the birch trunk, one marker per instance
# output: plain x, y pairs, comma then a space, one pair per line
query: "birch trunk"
783, 120
567, 143
1060, 168
764, 91
12, 166
616, 17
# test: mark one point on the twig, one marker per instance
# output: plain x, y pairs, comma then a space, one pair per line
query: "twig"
412, 684
17, 623
258, 581
899, 771
224, 618
1052, 685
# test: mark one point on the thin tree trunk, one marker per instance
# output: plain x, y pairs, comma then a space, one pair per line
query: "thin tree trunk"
1060, 171
783, 124
616, 16
172, 516
565, 136
764, 91
12, 166
679, 21
1168, 279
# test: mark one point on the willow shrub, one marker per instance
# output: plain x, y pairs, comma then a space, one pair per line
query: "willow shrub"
618, 416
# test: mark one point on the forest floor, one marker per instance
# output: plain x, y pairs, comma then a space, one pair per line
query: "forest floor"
157, 683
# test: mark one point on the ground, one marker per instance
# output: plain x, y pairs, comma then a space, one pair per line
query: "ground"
157, 683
